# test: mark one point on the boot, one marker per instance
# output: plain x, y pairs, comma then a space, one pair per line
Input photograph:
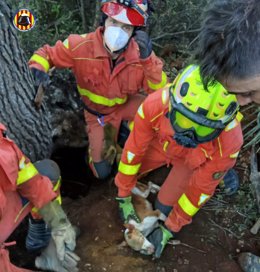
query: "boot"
231, 182
249, 262
38, 236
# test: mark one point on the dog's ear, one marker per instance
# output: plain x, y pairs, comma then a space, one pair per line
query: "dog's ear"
130, 227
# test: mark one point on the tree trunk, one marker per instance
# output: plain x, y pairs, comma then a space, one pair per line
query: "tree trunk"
28, 127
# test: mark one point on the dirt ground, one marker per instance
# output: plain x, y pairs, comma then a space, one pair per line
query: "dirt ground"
207, 245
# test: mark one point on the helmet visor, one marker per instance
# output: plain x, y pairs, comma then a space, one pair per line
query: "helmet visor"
181, 123
202, 134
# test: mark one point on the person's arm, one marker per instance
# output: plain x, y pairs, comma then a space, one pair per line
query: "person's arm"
205, 179
31, 185
131, 160
154, 76
134, 150
38, 190
59, 55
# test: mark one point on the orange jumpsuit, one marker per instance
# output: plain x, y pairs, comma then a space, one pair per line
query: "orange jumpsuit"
107, 88
21, 189
195, 172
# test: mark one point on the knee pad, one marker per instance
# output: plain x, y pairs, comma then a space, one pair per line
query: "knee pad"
163, 208
48, 168
101, 170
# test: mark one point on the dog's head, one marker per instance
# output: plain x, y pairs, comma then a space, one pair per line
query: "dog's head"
136, 240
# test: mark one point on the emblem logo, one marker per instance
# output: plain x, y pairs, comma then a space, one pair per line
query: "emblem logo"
24, 20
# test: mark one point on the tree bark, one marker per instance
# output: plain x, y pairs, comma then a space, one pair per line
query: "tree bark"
28, 127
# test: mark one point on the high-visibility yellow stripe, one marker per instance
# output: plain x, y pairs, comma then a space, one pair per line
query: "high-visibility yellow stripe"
158, 115
26, 173
101, 100
66, 43
159, 85
79, 45
165, 146
42, 61
187, 206
234, 155
131, 125
164, 97
140, 111
21, 211
57, 185
220, 148
239, 116
206, 154
128, 169
235, 122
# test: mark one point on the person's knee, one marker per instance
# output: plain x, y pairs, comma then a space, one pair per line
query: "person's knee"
101, 170
165, 209
48, 168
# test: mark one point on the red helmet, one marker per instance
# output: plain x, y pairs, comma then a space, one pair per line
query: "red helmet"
131, 12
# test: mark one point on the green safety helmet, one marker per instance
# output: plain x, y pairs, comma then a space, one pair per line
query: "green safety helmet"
198, 115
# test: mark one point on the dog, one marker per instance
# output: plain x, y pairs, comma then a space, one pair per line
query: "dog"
136, 233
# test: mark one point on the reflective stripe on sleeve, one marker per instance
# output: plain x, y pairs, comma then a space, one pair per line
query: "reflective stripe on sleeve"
140, 111
187, 206
159, 85
26, 173
101, 100
131, 125
66, 43
42, 61
234, 155
128, 169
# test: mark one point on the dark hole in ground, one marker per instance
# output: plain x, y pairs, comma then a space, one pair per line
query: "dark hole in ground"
75, 172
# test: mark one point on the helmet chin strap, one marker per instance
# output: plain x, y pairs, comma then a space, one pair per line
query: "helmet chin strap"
185, 139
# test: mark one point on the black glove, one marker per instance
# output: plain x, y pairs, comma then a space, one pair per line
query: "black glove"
159, 238
40, 77
144, 43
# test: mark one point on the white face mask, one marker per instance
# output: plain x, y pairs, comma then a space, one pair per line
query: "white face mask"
115, 38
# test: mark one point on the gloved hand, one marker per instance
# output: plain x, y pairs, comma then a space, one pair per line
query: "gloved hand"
126, 209
40, 77
48, 260
159, 238
62, 231
144, 43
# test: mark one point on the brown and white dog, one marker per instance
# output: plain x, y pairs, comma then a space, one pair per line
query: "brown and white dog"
136, 233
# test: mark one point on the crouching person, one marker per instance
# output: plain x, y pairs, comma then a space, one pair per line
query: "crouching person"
25, 188
193, 129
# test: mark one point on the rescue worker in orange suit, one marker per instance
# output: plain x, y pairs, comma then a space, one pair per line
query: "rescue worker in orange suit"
196, 131
111, 66
26, 187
